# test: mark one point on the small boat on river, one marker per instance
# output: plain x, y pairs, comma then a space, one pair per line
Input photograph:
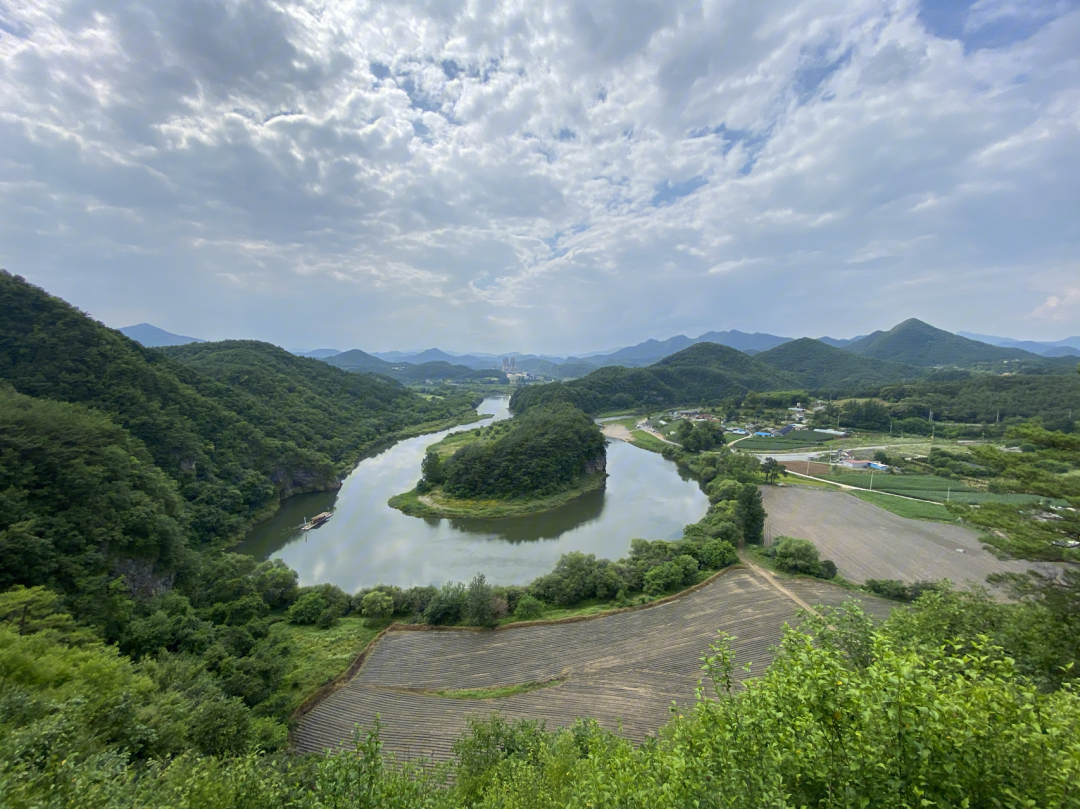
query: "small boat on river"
316, 521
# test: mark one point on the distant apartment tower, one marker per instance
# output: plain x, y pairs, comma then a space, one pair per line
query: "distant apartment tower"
510, 366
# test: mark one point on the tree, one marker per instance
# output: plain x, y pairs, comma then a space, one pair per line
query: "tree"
377, 606
773, 469
432, 468
478, 606
684, 430
794, 555
528, 608
750, 513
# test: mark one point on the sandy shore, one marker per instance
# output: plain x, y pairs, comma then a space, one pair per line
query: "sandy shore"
616, 431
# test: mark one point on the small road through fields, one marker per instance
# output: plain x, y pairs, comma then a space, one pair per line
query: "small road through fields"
625, 670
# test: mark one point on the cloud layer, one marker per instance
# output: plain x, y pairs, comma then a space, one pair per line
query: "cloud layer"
546, 176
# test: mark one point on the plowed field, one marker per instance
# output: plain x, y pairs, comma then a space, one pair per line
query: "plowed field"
624, 670
867, 542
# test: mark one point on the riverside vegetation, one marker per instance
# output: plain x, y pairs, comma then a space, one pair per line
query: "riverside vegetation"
531, 463
141, 665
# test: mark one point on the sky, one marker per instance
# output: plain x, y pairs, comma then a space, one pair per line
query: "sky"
538, 176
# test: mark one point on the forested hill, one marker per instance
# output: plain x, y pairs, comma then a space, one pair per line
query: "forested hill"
705, 372
230, 449
542, 452
308, 402
821, 367
917, 343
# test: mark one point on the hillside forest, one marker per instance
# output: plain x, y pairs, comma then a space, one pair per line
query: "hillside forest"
142, 664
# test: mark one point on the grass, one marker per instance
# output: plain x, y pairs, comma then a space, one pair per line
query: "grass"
640, 438
320, 655
455, 441
795, 480
441, 505
911, 509
758, 444
496, 693
928, 487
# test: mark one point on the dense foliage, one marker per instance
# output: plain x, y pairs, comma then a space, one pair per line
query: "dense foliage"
824, 369
310, 404
921, 711
222, 436
917, 343
80, 500
705, 373
794, 555
989, 399
540, 452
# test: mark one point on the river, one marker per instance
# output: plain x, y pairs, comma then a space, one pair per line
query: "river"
367, 542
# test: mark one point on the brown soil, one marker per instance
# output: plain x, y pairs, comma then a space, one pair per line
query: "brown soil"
625, 670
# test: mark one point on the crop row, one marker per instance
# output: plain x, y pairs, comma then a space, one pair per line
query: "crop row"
624, 670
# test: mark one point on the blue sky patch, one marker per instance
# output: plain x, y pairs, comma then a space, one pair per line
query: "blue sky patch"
667, 191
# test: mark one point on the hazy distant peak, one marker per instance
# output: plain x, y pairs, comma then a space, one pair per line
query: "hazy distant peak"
153, 337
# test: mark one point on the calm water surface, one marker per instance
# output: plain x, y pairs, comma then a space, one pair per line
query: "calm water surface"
367, 542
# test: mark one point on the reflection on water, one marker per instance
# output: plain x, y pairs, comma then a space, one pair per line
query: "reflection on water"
367, 542
546, 525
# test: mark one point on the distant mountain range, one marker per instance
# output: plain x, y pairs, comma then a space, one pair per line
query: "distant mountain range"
905, 348
153, 337
1069, 347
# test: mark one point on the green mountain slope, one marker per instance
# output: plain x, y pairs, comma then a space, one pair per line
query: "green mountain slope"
916, 343
819, 366
232, 457
357, 360
305, 401
703, 372
79, 498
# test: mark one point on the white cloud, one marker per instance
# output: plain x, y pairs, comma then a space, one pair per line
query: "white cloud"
551, 176
1064, 307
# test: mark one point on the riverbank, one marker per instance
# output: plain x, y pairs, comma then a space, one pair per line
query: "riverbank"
438, 504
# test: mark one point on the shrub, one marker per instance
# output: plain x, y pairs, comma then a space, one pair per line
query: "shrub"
377, 606
307, 609
716, 554
898, 591
447, 605
478, 606
795, 555
529, 608
572, 580
670, 575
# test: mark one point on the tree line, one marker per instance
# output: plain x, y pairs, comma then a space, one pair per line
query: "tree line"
541, 452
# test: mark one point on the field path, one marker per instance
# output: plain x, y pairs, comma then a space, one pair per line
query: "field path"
625, 670
867, 542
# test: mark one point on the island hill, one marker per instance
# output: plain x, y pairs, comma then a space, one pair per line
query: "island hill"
533, 462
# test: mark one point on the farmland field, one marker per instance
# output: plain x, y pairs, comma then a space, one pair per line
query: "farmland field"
797, 440
903, 507
923, 487
867, 542
624, 670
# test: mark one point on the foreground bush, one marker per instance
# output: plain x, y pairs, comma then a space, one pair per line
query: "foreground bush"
846, 716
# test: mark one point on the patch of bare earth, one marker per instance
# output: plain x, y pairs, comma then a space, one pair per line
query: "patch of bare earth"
867, 542
624, 670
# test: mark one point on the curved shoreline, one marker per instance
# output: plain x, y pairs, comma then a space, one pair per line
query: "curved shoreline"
419, 505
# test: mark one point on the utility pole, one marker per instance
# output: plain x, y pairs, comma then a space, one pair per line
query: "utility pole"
871, 480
